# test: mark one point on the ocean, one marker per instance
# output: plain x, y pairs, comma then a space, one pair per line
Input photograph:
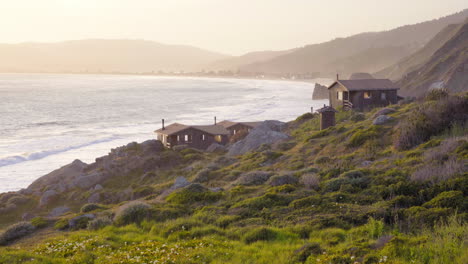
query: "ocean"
49, 120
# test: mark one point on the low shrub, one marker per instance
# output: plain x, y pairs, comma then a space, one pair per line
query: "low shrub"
16, 231
430, 119
194, 193
310, 180
333, 236
39, 222
302, 254
133, 212
360, 136
99, 223
90, 207
375, 228
61, 224
279, 180
259, 234
450, 199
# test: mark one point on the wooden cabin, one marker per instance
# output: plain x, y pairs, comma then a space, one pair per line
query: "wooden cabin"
199, 137
236, 127
362, 94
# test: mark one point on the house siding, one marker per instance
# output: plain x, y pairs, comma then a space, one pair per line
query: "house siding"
237, 128
334, 102
195, 139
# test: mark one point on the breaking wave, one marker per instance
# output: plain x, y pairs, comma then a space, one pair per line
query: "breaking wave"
6, 161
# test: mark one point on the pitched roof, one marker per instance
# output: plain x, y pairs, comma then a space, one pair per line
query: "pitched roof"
213, 129
228, 124
176, 128
172, 129
367, 84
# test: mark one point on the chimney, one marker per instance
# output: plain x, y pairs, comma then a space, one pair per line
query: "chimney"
337, 77
163, 125
215, 120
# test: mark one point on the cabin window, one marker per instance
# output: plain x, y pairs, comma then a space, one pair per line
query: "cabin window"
203, 137
218, 138
339, 96
383, 96
178, 138
367, 95
187, 138
234, 131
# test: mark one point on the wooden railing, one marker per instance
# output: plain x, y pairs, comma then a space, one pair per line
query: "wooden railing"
347, 105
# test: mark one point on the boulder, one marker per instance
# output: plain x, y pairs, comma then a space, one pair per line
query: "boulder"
384, 111
253, 178
47, 197
86, 181
320, 92
268, 132
98, 187
58, 211
216, 148
216, 189
65, 174
380, 120
180, 182
366, 163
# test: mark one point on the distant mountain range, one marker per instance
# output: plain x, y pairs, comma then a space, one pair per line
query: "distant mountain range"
388, 54
97, 55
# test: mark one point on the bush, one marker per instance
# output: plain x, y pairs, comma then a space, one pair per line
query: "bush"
90, 207
450, 199
435, 173
375, 228
39, 222
61, 224
279, 180
436, 94
99, 223
254, 178
16, 231
362, 135
259, 234
194, 193
358, 117
133, 212
310, 180
430, 119
305, 251
333, 236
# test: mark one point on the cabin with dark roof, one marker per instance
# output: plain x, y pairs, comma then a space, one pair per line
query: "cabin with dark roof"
237, 127
362, 94
199, 137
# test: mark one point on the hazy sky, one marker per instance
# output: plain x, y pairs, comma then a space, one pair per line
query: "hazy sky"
228, 26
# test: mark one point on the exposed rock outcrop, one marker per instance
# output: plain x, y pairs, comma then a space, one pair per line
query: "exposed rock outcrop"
268, 132
320, 92
382, 119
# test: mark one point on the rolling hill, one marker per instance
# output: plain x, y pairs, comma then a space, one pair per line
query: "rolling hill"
446, 68
98, 55
351, 54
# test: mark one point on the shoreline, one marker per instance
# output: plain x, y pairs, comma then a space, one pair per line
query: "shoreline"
312, 80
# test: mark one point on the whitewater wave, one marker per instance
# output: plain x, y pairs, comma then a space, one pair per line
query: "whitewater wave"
10, 160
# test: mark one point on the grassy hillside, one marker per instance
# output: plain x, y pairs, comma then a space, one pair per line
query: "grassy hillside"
353, 193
